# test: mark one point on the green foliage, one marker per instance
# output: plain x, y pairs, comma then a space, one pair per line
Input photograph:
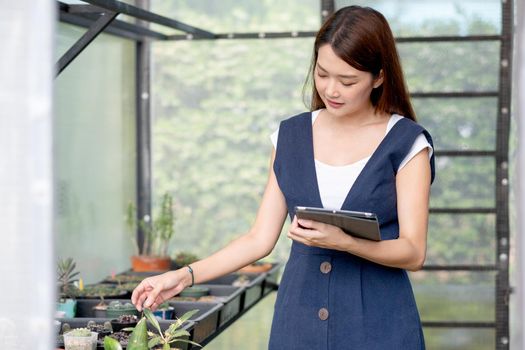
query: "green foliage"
157, 234
164, 224
141, 339
185, 258
66, 277
173, 334
111, 344
138, 340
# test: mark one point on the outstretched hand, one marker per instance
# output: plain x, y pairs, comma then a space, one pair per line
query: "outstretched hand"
318, 234
155, 290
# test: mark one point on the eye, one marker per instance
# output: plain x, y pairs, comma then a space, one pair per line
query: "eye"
348, 84
321, 75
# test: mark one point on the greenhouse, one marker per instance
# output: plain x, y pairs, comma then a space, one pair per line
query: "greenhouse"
136, 140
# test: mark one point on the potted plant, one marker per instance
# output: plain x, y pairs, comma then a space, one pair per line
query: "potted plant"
157, 234
100, 309
117, 308
124, 322
101, 329
80, 339
159, 340
66, 277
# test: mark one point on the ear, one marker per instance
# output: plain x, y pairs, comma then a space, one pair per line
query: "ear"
378, 81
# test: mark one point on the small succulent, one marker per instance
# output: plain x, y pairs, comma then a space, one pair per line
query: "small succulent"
65, 327
117, 305
80, 332
127, 319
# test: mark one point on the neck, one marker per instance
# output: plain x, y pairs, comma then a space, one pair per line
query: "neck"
358, 119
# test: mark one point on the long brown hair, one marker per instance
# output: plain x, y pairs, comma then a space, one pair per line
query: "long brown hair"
361, 37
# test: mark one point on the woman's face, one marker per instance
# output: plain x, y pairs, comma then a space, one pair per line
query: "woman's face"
343, 89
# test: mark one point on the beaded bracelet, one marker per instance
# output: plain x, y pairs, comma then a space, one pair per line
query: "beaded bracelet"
191, 272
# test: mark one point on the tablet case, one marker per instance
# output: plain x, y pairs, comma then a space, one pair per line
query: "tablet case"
355, 223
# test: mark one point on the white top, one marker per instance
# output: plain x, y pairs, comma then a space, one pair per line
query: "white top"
336, 181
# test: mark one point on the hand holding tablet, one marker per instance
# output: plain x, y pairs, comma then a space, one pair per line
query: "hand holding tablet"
355, 223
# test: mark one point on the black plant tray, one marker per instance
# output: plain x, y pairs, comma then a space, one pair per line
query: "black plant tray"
78, 322
85, 306
206, 319
230, 297
252, 291
82, 322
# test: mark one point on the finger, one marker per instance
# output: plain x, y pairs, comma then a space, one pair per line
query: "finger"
313, 225
294, 221
300, 231
136, 292
152, 297
305, 223
154, 306
141, 299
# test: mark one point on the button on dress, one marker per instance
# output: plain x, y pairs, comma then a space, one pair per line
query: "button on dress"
334, 300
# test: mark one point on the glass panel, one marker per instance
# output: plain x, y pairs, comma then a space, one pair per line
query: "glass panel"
463, 182
66, 36
94, 145
461, 239
211, 143
437, 17
466, 66
455, 296
459, 339
459, 123
243, 16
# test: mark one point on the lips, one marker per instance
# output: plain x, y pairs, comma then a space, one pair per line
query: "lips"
334, 104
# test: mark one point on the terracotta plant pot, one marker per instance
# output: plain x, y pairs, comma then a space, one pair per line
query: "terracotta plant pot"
146, 263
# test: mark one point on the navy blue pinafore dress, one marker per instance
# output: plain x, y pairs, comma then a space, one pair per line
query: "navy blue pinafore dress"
331, 300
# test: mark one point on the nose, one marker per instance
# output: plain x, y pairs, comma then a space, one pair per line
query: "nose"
331, 89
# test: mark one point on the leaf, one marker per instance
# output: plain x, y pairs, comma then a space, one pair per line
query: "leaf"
153, 320
111, 344
187, 316
154, 341
138, 339
178, 333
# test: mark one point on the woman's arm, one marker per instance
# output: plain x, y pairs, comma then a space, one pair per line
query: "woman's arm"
409, 250
253, 245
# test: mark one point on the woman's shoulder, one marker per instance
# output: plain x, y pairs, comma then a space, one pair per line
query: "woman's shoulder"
290, 123
407, 124
297, 118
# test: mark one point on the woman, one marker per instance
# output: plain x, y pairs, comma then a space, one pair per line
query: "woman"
358, 149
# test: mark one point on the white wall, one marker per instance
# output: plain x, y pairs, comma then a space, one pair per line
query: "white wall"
26, 241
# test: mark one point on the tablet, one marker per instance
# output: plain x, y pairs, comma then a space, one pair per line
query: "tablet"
355, 223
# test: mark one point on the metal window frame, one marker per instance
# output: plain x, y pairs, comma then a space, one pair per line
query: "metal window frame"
89, 16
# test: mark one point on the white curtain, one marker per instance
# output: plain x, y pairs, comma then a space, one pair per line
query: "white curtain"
26, 236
